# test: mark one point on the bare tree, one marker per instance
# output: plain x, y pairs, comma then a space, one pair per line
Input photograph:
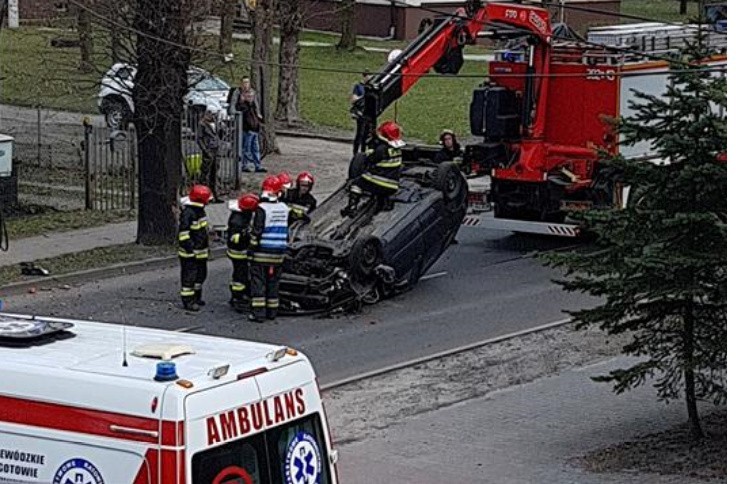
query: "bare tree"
159, 87
228, 12
85, 32
262, 48
290, 20
348, 40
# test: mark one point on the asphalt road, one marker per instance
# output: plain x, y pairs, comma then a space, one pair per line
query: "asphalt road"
485, 286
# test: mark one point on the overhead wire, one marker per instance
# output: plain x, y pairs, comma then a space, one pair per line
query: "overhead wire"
335, 70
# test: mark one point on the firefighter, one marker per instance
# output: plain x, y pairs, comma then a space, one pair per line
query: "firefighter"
381, 177
299, 198
450, 149
193, 246
237, 249
286, 181
269, 242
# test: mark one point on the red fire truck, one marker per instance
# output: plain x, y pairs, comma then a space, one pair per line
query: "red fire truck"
544, 112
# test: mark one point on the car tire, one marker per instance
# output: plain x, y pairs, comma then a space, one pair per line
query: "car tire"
365, 256
449, 181
357, 165
117, 113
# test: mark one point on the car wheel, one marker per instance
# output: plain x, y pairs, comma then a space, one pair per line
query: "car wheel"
116, 113
449, 181
357, 165
365, 256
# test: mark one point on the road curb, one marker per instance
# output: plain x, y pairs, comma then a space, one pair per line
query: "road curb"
125, 268
442, 354
306, 134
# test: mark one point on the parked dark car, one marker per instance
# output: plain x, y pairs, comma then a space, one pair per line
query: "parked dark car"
337, 262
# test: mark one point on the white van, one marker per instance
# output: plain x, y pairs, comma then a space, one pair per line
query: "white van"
95, 403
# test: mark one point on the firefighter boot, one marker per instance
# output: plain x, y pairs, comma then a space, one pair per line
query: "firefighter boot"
352, 205
198, 298
189, 303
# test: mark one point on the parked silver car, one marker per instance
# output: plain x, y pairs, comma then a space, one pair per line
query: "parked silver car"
115, 97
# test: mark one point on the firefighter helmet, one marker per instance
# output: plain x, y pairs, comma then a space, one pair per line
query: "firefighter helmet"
391, 133
200, 194
285, 179
272, 185
305, 177
248, 203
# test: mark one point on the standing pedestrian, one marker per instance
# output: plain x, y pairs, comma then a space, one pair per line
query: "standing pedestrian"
208, 142
251, 120
237, 249
193, 247
357, 106
269, 243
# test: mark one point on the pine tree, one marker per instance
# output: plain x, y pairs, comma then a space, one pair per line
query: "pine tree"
659, 266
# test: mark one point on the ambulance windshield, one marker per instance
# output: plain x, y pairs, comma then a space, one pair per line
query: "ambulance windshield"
290, 453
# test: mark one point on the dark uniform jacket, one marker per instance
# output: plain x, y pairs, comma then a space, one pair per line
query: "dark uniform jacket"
193, 231
448, 155
300, 205
384, 166
238, 235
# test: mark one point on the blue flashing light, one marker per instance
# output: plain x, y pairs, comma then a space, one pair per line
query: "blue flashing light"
166, 371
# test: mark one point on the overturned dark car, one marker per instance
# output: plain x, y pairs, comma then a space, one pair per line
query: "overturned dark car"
340, 263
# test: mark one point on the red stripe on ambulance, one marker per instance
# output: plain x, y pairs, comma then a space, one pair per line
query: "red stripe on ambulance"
88, 421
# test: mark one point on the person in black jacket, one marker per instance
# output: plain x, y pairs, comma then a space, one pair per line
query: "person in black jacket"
237, 249
450, 149
208, 142
193, 247
299, 198
381, 177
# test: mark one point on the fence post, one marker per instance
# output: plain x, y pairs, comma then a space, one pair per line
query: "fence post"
134, 164
88, 175
238, 151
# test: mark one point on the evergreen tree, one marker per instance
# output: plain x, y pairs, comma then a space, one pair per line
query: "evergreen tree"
659, 266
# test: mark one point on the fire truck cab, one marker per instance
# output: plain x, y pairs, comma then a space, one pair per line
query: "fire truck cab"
96, 403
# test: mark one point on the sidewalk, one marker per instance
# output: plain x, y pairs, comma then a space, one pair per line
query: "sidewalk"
327, 160
523, 434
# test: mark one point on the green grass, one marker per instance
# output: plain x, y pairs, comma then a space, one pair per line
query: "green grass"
36, 73
89, 259
662, 10
55, 222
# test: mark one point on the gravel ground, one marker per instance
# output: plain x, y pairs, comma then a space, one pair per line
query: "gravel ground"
363, 409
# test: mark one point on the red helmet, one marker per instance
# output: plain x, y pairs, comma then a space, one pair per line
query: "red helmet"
248, 203
285, 179
272, 185
391, 133
200, 194
305, 177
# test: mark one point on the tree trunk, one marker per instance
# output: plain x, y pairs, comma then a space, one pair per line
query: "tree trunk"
261, 76
228, 11
348, 41
288, 86
688, 350
85, 31
159, 87
683, 7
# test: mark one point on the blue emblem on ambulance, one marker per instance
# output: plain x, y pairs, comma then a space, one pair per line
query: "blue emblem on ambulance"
303, 463
78, 471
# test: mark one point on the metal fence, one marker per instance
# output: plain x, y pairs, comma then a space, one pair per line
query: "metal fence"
65, 165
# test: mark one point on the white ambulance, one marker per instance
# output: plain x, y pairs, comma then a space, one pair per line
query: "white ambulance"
94, 403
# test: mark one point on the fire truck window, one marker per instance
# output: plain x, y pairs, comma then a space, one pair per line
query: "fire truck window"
238, 462
297, 452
